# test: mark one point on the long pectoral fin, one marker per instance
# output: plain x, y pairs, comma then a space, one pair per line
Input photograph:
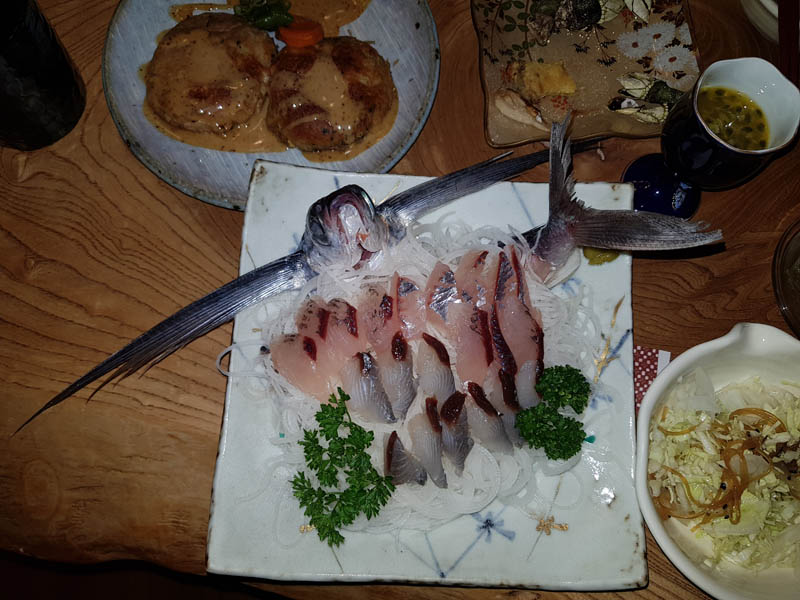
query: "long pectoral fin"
191, 322
638, 230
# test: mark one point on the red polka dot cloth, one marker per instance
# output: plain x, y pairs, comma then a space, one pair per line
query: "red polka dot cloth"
647, 363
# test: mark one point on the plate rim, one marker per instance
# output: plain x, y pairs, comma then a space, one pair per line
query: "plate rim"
619, 580
146, 158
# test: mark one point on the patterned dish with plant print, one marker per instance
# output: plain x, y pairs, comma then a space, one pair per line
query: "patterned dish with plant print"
589, 514
629, 60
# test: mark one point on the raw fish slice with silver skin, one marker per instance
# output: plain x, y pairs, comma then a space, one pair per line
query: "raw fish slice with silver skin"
425, 431
473, 278
456, 442
410, 303
505, 407
361, 381
433, 368
397, 375
469, 331
296, 357
521, 327
501, 385
441, 295
571, 223
473, 343
485, 422
333, 326
377, 317
453, 314
343, 334
400, 464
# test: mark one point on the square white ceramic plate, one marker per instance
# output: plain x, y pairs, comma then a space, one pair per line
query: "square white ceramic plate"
256, 532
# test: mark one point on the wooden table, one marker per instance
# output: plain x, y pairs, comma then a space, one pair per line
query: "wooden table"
97, 249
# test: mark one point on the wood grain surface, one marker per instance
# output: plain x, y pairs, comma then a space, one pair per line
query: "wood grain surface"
95, 249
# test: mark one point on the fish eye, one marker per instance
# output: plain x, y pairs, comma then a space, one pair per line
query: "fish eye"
318, 233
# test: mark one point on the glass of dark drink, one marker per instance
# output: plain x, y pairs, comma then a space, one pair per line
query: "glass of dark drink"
42, 96
737, 117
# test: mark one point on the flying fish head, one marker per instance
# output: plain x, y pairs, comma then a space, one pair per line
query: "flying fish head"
343, 228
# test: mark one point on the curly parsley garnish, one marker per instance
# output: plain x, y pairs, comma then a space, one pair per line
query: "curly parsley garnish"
564, 385
338, 460
543, 426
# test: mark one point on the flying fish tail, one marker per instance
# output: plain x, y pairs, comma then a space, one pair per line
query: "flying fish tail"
571, 223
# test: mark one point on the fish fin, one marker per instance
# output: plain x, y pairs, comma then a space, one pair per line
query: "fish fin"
405, 207
571, 223
639, 230
191, 322
553, 243
562, 182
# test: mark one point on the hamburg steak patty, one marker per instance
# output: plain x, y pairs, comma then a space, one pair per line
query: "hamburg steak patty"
209, 73
328, 95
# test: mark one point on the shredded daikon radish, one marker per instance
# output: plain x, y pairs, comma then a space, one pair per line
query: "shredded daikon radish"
572, 336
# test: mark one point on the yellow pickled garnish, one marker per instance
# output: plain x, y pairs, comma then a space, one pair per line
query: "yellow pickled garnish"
598, 256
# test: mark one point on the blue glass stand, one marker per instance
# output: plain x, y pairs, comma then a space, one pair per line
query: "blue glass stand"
658, 189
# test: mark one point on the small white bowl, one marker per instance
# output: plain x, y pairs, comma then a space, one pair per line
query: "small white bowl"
749, 349
763, 14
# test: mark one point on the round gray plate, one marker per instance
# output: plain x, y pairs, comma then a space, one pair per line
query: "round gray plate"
402, 31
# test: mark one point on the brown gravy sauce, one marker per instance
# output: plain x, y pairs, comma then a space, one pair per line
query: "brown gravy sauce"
325, 87
373, 137
252, 136
255, 137
331, 14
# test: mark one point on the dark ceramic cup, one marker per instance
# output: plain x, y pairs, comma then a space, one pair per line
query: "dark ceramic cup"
698, 156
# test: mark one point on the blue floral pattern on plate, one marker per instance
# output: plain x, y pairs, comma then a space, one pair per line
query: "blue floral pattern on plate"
589, 513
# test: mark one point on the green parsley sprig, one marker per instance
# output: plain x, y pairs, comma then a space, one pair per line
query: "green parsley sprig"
268, 15
542, 426
333, 456
564, 385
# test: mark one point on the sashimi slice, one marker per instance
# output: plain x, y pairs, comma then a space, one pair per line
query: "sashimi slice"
400, 464
469, 322
473, 278
361, 381
333, 326
343, 335
433, 367
425, 431
377, 317
440, 295
473, 343
485, 422
410, 303
456, 442
296, 357
397, 375
497, 392
521, 326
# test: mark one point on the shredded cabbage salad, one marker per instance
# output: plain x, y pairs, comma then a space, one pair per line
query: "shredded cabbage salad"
726, 464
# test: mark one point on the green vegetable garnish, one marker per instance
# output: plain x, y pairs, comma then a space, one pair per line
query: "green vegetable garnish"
265, 14
337, 461
542, 426
561, 386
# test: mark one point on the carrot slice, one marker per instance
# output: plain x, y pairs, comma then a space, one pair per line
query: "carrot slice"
302, 32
